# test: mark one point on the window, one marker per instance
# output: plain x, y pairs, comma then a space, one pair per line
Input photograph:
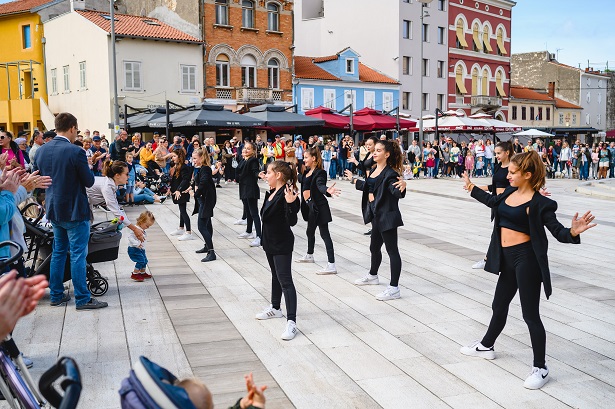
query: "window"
487, 39
425, 35
407, 65
247, 14
441, 102
589, 97
523, 113
407, 29
407, 1
82, 76
485, 83
26, 36
514, 113
441, 5
370, 99
441, 34
273, 70
574, 119
222, 70
532, 113
441, 68
248, 72
273, 17
188, 73
460, 31
539, 117
387, 101
561, 119
425, 67
478, 44
350, 97
329, 98
222, 12
500, 41
587, 119
66, 72
599, 97
406, 101
349, 65
475, 81
132, 75
499, 84
307, 98
54, 81
425, 102
460, 88
548, 113
598, 119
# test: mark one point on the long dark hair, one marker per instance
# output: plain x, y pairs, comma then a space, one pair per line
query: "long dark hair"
12, 145
181, 156
395, 159
506, 146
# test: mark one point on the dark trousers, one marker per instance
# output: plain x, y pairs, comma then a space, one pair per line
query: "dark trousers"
282, 283
519, 270
250, 209
326, 237
389, 238
184, 219
207, 231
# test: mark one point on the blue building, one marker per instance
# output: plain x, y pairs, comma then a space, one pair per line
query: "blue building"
338, 80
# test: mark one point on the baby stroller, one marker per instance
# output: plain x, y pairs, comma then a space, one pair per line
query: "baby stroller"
158, 184
104, 245
16, 384
150, 386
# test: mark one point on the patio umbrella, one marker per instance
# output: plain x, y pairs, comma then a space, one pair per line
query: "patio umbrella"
278, 119
140, 121
456, 124
498, 126
207, 116
368, 119
332, 119
533, 133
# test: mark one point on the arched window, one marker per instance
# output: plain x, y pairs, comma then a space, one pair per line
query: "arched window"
248, 71
273, 17
499, 84
487, 39
500, 40
461, 40
475, 81
247, 20
485, 82
273, 69
478, 44
222, 71
460, 88
222, 12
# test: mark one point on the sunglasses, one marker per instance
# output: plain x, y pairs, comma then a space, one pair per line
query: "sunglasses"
3, 136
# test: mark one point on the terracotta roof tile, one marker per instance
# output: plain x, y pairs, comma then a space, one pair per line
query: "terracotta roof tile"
136, 26
20, 6
527, 93
307, 69
327, 58
560, 103
368, 74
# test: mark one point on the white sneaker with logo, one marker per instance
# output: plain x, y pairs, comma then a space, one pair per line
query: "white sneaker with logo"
477, 349
290, 331
246, 235
308, 258
368, 279
268, 313
330, 269
537, 378
256, 242
178, 232
391, 293
479, 265
186, 237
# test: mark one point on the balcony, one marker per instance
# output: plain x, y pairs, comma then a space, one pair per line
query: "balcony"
256, 95
486, 102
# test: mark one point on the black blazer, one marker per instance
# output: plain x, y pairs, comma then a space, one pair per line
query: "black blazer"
541, 215
181, 183
278, 216
205, 193
386, 200
366, 165
318, 195
247, 173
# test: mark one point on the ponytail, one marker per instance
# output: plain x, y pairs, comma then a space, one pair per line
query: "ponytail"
288, 171
395, 159
110, 169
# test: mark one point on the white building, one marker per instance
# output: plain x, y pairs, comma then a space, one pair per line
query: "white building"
389, 35
155, 63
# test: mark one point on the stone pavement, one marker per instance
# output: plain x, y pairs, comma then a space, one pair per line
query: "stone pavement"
197, 319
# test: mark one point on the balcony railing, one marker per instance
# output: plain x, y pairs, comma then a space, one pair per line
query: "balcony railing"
255, 95
486, 101
224, 93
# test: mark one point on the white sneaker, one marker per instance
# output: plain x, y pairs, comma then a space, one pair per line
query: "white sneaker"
479, 265
246, 235
308, 258
330, 269
368, 280
178, 232
226, 182
391, 293
269, 312
477, 349
256, 242
186, 237
290, 331
537, 378
241, 222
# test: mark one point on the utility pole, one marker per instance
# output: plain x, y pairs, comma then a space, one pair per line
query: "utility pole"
116, 106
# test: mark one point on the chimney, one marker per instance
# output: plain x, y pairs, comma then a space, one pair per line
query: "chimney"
77, 5
551, 91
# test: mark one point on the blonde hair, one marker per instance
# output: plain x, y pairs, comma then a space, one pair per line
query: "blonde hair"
205, 156
197, 392
146, 216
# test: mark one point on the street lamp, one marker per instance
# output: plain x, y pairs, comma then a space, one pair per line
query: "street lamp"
424, 3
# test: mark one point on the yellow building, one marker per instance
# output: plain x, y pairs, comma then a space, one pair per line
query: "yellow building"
23, 92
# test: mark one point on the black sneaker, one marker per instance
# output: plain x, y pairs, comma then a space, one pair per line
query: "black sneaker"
162, 199
93, 304
65, 298
368, 233
104, 207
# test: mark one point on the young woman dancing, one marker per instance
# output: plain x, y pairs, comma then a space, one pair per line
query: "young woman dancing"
249, 193
366, 166
315, 208
181, 175
384, 187
279, 213
205, 195
518, 252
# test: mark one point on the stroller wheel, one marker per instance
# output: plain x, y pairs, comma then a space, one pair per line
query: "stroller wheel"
95, 273
98, 286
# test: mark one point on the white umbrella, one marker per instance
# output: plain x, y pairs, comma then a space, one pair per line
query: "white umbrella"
532, 132
455, 124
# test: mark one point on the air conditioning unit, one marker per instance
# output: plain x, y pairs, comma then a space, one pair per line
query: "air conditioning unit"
551, 56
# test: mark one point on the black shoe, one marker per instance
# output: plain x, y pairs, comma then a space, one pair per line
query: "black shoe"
218, 185
65, 299
368, 233
162, 199
211, 256
93, 304
203, 250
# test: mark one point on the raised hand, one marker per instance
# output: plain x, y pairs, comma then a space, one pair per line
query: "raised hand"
3, 159
400, 184
255, 394
333, 191
10, 181
348, 174
544, 192
581, 224
289, 194
466, 180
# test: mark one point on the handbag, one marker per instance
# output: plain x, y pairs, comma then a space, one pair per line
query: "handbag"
234, 163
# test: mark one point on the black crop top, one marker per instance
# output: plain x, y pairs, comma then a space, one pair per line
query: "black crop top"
371, 184
500, 180
514, 218
307, 182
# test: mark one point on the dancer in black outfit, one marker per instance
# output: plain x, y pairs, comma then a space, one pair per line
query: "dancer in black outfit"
366, 166
384, 188
205, 195
315, 207
181, 175
249, 193
518, 253
279, 213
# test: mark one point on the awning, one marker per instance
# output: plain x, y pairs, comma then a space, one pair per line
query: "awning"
460, 84
332, 119
461, 36
455, 123
610, 134
501, 45
368, 119
140, 121
207, 116
487, 42
589, 130
476, 37
278, 119
500, 88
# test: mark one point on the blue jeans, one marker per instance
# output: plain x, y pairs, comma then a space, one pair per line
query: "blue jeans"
333, 169
146, 196
584, 171
343, 165
488, 166
138, 256
73, 237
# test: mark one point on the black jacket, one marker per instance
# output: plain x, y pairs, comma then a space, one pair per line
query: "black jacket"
181, 183
386, 200
278, 216
366, 166
318, 195
205, 193
541, 215
247, 174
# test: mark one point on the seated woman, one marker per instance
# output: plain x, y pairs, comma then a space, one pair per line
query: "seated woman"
147, 160
144, 195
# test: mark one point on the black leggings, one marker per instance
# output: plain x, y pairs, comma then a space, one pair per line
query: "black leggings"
326, 237
183, 216
519, 270
207, 230
250, 209
389, 238
282, 282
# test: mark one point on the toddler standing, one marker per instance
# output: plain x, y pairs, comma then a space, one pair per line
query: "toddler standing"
470, 163
136, 247
480, 165
430, 163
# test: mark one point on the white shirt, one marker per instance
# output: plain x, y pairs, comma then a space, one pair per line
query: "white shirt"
133, 241
104, 191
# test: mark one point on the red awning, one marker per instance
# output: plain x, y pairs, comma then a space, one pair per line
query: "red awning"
332, 120
368, 119
610, 134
